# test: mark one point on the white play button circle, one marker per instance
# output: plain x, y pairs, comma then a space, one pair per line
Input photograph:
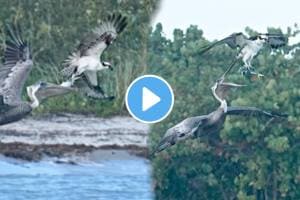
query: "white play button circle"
149, 99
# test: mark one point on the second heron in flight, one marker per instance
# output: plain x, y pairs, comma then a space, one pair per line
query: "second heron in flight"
194, 127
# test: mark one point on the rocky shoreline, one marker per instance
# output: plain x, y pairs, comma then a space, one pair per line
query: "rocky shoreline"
34, 153
69, 135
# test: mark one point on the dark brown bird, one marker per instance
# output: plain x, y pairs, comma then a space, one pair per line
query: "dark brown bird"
211, 123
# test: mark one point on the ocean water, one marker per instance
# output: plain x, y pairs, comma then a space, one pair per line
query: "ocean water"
108, 179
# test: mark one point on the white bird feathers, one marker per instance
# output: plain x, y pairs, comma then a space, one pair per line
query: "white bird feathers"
249, 47
87, 57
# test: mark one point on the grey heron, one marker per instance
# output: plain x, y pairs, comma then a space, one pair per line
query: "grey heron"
13, 74
87, 56
194, 127
249, 47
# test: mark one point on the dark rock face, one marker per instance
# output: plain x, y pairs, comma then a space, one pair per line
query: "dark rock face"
68, 135
35, 153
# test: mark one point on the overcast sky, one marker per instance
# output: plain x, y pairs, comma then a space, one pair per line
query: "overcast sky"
219, 18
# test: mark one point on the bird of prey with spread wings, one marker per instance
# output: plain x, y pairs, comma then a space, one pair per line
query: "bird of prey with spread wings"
249, 47
87, 56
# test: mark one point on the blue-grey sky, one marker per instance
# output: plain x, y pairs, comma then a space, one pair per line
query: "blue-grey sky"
219, 18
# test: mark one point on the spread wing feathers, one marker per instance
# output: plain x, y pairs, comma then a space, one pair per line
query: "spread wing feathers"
252, 111
4, 107
70, 69
92, 77
233, 41
52, 90
16, 68
96, 42
223, 88
101, 37
275, 40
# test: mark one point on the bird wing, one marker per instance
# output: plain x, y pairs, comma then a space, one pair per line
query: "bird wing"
233, 41
188, 126
16, 68
52, 90
92, 77
276, 40
252, 111
4, 107
95, 43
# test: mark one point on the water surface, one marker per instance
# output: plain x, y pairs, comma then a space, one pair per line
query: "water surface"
125, 177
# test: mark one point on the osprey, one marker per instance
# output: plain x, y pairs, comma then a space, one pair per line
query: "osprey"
13, 74
87, 57
194, 127
249, 47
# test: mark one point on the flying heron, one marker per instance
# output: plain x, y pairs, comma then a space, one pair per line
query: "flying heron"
13, 74
212, 123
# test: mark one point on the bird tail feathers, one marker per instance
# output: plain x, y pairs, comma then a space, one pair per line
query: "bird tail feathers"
70, 65
68, 71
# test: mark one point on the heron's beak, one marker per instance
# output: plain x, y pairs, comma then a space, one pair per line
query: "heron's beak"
232, 84
159, 149
164, 144
50, 84
162, 147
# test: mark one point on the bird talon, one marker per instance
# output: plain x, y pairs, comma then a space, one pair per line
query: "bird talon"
253, 75
251, 69
110, 98
244, 70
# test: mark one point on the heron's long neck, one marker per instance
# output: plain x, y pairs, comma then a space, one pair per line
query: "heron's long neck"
34, 100
35, 103
223, 103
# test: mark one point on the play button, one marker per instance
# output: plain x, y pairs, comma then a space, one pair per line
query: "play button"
149, 99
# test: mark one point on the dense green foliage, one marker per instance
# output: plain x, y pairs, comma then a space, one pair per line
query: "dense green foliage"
54, 29
250, 158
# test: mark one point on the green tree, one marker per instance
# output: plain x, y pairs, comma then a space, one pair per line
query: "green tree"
54, 29
250, 158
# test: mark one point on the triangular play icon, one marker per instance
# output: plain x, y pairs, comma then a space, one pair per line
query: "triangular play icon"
149, 99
